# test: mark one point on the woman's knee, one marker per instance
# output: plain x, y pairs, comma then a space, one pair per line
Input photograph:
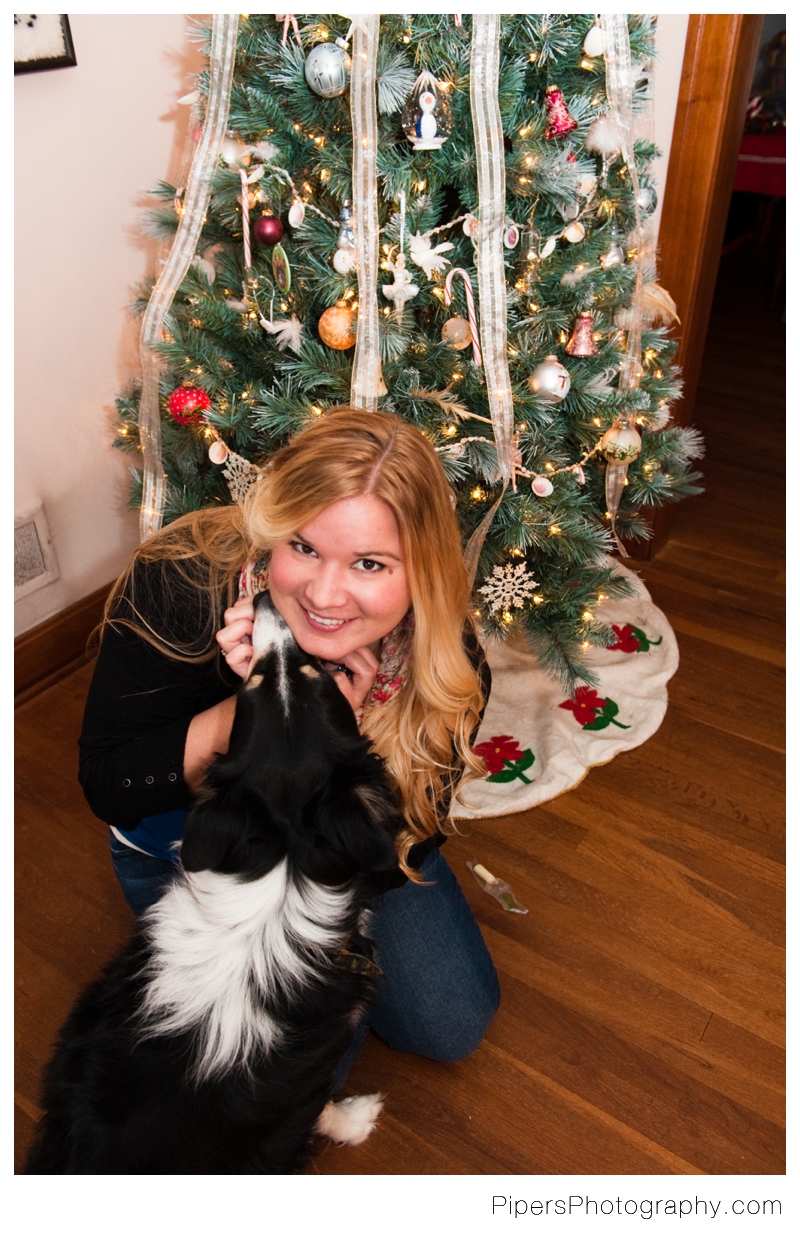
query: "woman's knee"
445, 1030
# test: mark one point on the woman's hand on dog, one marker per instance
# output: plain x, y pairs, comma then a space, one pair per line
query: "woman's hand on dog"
236, 637
353, 674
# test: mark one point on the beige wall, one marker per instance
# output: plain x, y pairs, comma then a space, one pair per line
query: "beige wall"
89, 141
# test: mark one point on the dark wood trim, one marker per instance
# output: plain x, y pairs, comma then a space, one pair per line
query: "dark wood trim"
718, 63
50, 651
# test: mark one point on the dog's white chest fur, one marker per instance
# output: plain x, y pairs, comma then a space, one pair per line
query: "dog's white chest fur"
224, 952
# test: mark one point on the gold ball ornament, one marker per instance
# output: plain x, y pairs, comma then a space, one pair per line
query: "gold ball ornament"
456, 332
336, 326
621, 443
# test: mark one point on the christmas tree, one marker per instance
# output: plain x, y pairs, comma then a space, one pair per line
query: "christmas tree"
442, 217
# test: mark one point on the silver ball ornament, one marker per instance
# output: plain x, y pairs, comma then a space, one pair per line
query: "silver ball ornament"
550, 380
327, 70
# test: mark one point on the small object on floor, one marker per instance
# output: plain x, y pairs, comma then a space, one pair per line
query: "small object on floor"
496, 888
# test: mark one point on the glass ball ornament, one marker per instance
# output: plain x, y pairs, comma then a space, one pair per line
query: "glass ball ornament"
456, 332
622, 442
336, 326
327, 70
187, 404
268, 230
344, 260
550, 380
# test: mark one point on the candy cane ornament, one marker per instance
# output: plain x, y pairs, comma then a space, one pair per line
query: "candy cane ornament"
473, 322
246, 219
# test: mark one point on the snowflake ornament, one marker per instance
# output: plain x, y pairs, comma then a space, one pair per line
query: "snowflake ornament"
508, 587
240, 474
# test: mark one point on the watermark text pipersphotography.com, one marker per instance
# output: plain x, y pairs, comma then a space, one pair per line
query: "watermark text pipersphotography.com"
643, 1208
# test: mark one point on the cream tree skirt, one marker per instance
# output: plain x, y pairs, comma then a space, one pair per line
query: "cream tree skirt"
536, 742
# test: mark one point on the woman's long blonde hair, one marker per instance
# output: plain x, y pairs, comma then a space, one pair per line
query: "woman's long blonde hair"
424, 733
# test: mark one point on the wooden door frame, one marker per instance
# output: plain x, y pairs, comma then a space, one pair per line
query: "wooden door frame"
717, 75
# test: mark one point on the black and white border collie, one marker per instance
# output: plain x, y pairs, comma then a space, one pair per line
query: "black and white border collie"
210, 1045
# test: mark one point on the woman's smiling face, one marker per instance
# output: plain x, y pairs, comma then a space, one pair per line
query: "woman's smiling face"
340, 582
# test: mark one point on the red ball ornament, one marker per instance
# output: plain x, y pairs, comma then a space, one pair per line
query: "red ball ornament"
187, 404
268, 230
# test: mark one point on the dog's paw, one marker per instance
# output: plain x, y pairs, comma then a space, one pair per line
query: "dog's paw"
350, 1121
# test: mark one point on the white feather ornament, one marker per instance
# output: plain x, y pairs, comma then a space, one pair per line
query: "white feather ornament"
604, 137
264, 151
657, 308
287, 332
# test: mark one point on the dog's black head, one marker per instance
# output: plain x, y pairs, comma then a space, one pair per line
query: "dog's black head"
298, 779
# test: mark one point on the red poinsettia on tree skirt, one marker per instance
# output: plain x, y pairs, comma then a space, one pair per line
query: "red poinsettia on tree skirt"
630, 639
591, 711
505, 759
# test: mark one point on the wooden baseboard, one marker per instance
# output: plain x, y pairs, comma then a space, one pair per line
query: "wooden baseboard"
52, 650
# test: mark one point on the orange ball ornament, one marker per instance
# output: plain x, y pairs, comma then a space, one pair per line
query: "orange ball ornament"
336, 326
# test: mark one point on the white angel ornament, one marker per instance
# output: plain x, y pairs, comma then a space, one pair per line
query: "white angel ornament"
403, 287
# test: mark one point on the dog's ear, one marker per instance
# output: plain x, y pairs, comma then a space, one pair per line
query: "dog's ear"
355, 825
210, 834
229, 838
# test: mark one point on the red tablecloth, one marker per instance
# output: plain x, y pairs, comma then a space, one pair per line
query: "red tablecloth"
762, 165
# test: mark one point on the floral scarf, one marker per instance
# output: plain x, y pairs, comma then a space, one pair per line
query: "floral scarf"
395, 647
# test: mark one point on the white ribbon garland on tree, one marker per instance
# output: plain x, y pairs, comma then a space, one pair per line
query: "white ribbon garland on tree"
484, 78
181, 256
366, 384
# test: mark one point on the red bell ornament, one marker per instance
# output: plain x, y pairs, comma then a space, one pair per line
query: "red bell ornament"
581, 344
187, 404
559, 120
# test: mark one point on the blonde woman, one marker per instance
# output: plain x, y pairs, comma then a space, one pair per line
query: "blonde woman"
351, 528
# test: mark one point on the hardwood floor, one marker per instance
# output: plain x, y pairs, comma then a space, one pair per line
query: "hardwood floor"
641, 1024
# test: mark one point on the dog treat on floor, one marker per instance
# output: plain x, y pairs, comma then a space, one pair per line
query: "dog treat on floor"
496, 888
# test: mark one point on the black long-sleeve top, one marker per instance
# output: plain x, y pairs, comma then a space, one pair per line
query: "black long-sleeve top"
140, 705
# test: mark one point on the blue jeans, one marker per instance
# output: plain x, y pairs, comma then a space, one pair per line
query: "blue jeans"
440, 989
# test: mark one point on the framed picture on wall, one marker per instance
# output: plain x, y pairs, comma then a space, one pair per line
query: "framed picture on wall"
42, 41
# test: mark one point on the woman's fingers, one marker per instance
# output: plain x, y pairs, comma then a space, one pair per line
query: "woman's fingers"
361, 667
235, 637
